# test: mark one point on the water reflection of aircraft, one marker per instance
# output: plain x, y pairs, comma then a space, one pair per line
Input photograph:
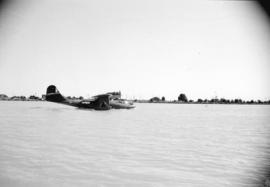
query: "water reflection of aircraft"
98, 102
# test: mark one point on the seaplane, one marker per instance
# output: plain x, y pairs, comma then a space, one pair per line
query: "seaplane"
111, 100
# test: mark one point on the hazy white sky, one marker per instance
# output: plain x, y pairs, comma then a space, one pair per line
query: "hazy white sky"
144, 48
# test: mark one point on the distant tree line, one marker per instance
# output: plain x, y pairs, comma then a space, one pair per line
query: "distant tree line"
20, 98
182, 98
232, 101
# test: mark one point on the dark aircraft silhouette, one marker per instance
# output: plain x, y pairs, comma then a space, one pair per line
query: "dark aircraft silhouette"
98, 102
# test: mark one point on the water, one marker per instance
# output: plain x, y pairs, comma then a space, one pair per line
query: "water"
46, 144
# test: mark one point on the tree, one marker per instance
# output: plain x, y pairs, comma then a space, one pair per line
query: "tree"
223, 100
214, 100
154, 99
163, 98
205, 100
182, 97
199, 100
237, 101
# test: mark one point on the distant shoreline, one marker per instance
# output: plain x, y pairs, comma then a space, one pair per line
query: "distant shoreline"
177, 102
182, 99
168, 102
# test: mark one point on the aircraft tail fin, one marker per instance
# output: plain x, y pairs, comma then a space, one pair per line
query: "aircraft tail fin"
53, 95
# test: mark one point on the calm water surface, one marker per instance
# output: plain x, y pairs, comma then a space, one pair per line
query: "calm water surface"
46, 144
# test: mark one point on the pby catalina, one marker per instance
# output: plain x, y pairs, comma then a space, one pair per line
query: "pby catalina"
98, 102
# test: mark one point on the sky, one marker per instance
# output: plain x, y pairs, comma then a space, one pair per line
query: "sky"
143, 48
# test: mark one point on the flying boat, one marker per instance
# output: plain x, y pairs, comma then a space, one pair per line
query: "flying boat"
111, 100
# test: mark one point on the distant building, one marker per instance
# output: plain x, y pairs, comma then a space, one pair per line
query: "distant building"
18, 98
32, 97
